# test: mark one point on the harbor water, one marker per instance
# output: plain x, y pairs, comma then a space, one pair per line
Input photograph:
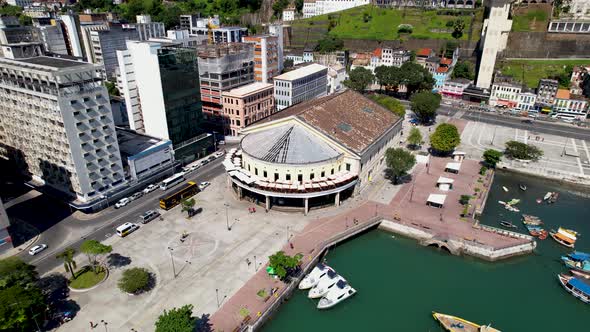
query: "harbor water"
400, 283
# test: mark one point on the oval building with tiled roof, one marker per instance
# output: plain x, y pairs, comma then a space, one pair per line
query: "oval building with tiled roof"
314, 154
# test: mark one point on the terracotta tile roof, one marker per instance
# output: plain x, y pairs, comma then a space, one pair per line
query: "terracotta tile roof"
377, 52
349, 118
442, 69
424, 52
562, 94
446, 61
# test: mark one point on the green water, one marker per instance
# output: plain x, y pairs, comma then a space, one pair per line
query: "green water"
399, 283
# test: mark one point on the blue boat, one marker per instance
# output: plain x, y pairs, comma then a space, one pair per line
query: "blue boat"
578, 265
579, 256
577, 287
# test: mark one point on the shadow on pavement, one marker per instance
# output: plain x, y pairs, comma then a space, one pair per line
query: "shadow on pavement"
117, 260
61, 309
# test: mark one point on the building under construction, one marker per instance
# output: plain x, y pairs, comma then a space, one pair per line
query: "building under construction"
223, 67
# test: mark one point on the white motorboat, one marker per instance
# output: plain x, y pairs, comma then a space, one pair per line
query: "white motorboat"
314, 276
337, 294
547, 195
324, 285
505, 189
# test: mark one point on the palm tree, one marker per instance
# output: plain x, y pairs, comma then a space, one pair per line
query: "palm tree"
69, 262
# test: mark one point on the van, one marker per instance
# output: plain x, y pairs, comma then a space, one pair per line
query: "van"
148, 216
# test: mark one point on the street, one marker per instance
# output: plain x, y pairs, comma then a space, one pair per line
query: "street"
71, 232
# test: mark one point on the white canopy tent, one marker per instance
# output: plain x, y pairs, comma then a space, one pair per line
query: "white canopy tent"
453, 167
444, 184
436, 200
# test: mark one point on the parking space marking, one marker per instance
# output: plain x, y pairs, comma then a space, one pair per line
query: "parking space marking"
586, 150
578, 158
526, 137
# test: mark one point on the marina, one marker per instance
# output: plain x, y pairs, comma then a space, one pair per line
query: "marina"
381, 284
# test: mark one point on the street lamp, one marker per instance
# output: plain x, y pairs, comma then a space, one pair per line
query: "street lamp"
217, 296
255, 266
105, 198
227, 217
172, 260
105, 323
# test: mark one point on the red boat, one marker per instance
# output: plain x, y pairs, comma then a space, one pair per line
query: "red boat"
580, 274
543, 235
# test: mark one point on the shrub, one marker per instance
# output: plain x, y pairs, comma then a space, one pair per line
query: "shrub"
135, 280
464, 199
483, 170
405, 28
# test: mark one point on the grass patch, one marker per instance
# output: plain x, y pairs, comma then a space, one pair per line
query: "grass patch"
368, 22
533, 20
86, 278
390, 103
534, 70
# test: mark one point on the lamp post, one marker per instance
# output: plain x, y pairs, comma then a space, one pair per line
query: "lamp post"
494, 135
172, 260
217, 296
227, 217
105, 323
255, 266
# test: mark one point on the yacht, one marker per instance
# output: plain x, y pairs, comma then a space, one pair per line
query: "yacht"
324, 285
314, 276
337, 294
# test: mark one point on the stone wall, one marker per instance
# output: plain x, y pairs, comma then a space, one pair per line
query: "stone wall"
546, 45
363, 45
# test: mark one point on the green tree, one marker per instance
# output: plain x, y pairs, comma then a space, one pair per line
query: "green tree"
21, 301
492, 157
329, 44
134, 280
177, 320
288, 63
464, 69
458, 27
424, 104
69, 262
585, 85
445, 138
519, 150
278, 7
390, 103
399, 161
415, 137
111, 88
464, 200
93, 249
299, 5
283, 264
382, 76
187, 204
415, 78
359, 79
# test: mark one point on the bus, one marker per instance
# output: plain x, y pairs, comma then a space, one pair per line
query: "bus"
171, 200
126, 228
172, 181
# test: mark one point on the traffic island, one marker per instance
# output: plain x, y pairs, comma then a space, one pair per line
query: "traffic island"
87, 279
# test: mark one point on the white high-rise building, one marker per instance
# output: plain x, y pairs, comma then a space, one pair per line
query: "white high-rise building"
74, 35
56, 122
300, 85
494, 37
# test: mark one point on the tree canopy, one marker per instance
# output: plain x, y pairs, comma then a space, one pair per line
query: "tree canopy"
69, 262
21, 299
415, 137
492, 157
415, 77
390, 103
284, 264
445, 138
464, 69
458, 27
134, 280
359, 79
519, 150
424, 104
177, 320
399, 161
329, 44
93, 249
585, 85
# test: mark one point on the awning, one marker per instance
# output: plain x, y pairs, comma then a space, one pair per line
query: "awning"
453, 166
442, 180
458, 153
437, 199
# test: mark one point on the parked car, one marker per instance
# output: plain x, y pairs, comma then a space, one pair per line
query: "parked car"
150, 188
122, 202
204, 185
221, 143
37, 249
204, 162
148, 216
136, 195
211, 158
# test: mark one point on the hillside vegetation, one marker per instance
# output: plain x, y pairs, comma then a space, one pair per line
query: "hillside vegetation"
373, 23
534, 70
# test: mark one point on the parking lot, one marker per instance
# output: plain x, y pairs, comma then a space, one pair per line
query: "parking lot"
563, 155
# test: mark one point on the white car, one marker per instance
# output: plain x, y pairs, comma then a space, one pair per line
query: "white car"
150, 188
221, 143
37, 249
122, 202
204, 185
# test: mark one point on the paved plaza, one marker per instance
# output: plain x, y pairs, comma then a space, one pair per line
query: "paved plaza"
562, 155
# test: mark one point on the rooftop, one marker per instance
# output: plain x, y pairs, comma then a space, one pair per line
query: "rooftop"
132, 143
424, 52
442, 69
58, 63
446, 61
348, 117
377, 52
301, 72
248, 89
563, 94
290, 143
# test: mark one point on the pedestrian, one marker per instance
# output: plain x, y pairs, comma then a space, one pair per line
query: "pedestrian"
543, 139
291, 245
248, 261
91, 325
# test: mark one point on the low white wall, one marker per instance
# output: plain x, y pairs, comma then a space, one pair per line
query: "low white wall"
411, 232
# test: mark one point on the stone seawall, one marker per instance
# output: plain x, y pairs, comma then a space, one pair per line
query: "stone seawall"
546, 45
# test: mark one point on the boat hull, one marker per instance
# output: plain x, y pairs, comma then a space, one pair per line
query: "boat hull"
564, 281
323, 305
456, 324
558, 240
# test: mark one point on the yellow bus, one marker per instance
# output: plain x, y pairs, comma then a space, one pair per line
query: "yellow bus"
171, 200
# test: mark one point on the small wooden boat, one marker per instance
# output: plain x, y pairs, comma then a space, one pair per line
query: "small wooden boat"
553, 198
522, 187
579, 274
507, 224
579, 288
456, 324
543, 235
565, 237
502, 203
505, 189
547, 195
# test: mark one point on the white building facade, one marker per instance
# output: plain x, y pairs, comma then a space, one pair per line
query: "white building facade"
56, 120
313, 8
300, 85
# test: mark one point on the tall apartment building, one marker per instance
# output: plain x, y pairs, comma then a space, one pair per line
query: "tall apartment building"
266, 56
247, 104
146, 29
300, 85
52, 35
223, 67
73, 34
106, 43
167, 99
546, 93
18, 41
56, 122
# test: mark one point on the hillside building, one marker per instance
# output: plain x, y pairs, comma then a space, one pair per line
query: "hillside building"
546, 94
313, 8
299, 85
266, 57
570, 105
